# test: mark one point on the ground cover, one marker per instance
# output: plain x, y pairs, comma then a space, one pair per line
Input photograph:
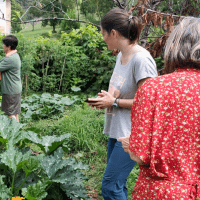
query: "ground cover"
38, 30
87, 143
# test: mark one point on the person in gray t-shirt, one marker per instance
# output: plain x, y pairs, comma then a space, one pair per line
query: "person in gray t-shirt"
134, 65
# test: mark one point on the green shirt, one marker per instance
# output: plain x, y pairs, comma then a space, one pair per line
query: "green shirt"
10, 68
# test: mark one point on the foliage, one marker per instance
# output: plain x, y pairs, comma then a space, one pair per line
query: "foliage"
78, 59
34, 176
46, 106
69, 25
87, 143
16, 12
54, 10
96, 8
83, 126
87, 7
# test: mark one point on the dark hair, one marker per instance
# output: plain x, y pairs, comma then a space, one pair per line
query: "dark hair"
183, 46
121, 21
10, 40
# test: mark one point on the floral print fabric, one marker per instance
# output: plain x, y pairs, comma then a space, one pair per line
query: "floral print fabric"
165, 135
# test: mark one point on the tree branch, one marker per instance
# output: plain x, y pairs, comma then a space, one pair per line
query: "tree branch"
55, 18
117, 3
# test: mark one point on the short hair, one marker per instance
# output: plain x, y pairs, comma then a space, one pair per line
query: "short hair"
121, 21
10, 40
183, 46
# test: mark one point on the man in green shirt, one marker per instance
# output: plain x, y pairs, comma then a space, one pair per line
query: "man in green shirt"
11, 87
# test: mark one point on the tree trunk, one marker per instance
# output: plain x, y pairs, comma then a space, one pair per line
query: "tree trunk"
26, 82
77, 8
54, 28
33, 26
63, 70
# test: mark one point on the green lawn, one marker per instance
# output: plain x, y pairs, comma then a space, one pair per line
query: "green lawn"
38, 30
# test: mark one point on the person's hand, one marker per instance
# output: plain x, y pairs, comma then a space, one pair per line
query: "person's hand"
125, 143
92, 106
105, 101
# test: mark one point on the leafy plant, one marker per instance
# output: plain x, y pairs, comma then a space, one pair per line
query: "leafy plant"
46, 106
34, 176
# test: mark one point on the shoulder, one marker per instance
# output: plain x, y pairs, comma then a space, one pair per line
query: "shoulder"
143, 55
158, 82
15, 57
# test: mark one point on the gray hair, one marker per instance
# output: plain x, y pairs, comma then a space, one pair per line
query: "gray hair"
183, 46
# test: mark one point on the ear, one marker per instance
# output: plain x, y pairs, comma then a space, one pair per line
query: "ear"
114, 33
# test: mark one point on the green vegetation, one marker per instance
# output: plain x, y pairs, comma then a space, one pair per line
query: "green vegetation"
79, 58
86, 144
36, 175
44, 106
38, 30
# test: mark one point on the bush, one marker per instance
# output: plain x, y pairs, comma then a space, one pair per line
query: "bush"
79, 58
69, 25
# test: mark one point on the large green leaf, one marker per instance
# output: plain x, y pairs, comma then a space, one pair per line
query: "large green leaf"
47, 143
66, 101
5, 192
13, 158
10, 130
55, 167
66, 172
46, 106
75, 192
32, 163
30, 180
35, 192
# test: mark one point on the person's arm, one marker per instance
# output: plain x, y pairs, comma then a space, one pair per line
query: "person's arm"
107, 99
5, 64
125, 145
142, 119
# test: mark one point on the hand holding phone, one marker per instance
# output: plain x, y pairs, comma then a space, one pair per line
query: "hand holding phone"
91, 100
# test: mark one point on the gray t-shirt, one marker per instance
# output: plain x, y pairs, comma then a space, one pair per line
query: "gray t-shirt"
123, 85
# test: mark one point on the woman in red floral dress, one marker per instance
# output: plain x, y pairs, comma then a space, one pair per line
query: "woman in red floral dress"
165, 131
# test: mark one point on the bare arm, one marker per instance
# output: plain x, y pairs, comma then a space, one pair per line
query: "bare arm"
142, 81
125, 145
107, 99
127, 103
135, 158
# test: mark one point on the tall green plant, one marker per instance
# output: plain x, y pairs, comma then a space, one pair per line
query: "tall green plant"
35, 176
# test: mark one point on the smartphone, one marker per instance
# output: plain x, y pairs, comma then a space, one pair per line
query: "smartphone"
91, 100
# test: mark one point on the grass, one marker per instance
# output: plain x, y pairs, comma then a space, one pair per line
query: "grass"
87, 143
38, 30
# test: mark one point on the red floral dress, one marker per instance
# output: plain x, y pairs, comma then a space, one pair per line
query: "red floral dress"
165, 135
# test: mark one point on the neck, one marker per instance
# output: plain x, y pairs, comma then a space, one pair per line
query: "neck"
10, 52
126, 48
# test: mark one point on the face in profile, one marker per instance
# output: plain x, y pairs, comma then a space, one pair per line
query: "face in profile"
109, 39
5, 48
